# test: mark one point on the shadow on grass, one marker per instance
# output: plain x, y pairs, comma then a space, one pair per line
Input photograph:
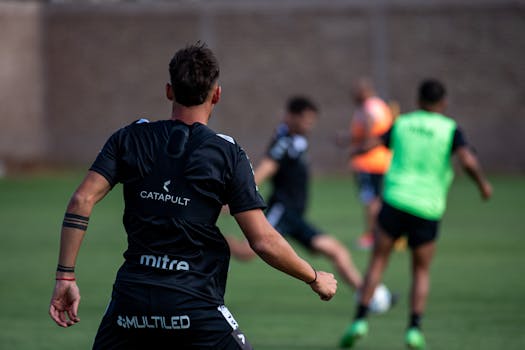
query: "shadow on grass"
324, 346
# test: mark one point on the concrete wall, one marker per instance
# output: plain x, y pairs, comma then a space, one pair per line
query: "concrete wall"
104, 66
23, 129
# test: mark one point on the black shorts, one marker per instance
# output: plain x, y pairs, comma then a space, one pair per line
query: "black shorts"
370, 186
150, 317
289, 223
396, 223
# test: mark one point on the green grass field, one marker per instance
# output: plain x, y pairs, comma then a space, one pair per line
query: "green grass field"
477, 299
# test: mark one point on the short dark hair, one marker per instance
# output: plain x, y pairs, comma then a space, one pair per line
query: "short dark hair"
431, 91
299, 104
193, 71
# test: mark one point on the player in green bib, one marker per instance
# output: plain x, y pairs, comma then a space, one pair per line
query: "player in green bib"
414, 200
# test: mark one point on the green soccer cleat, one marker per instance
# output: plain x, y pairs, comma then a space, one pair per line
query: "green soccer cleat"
355, 331
415, 339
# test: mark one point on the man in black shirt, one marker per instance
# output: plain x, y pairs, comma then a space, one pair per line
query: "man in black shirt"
177, 174
286, 165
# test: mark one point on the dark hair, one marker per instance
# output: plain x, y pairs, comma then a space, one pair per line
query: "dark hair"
193, 71
298, 104
431, 91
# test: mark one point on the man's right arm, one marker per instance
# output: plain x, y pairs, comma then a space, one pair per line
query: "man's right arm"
276, 252
65, 299
265, 170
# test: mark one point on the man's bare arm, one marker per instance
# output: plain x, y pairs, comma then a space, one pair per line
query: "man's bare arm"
64, 303
265, 170
471, 165
276, 251
92, 189
368, 145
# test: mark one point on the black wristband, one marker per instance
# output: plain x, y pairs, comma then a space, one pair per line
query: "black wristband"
62, 268
315, 278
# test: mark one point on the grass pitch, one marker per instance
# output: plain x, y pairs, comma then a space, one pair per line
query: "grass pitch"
477, 298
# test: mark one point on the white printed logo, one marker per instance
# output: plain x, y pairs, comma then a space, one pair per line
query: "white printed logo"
174, 322
242, 338
165, 197
164, 263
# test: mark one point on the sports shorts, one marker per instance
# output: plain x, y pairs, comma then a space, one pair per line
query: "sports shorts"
369, 186
290, 223
151, 317
397, 223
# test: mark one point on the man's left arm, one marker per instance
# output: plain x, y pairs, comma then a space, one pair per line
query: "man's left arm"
63, 307
470, 163
371, 143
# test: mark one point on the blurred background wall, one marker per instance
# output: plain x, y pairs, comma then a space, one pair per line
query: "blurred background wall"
72, 72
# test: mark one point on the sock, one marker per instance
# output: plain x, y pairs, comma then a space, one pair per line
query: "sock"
415, 321
362, 311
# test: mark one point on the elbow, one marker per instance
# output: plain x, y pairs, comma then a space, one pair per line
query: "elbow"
469, 164
80, 201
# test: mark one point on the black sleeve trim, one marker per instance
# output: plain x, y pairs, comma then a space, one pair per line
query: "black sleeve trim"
105, 174
247, 208
458, 140
386, 138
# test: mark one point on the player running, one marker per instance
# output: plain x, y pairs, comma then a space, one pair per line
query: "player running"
176, 174
285, 164
414, 200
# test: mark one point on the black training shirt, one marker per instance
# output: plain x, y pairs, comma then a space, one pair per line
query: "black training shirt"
290, 183
176, 179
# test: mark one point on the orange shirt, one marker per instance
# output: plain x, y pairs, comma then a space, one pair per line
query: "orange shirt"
377, 160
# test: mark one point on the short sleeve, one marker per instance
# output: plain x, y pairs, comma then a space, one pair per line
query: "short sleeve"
278, 149
242, 191
459, 140
106, 163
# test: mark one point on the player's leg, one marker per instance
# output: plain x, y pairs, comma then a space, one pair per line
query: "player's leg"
378, 263
421, 260
366, 241
311, 237
340, 258
390, 227
240, 248
374, 201
422, 242
371, 205
370, 188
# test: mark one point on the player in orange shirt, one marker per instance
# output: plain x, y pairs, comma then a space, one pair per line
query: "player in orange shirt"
371, 118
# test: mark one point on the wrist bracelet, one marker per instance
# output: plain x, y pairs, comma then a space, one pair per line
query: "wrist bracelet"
62, 268
65, 279
315, 278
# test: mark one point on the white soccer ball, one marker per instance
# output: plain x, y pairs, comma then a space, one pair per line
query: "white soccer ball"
381, 300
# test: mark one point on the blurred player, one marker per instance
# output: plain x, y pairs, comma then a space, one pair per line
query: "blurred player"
176, 174
371, 118
414, 200
286, 165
